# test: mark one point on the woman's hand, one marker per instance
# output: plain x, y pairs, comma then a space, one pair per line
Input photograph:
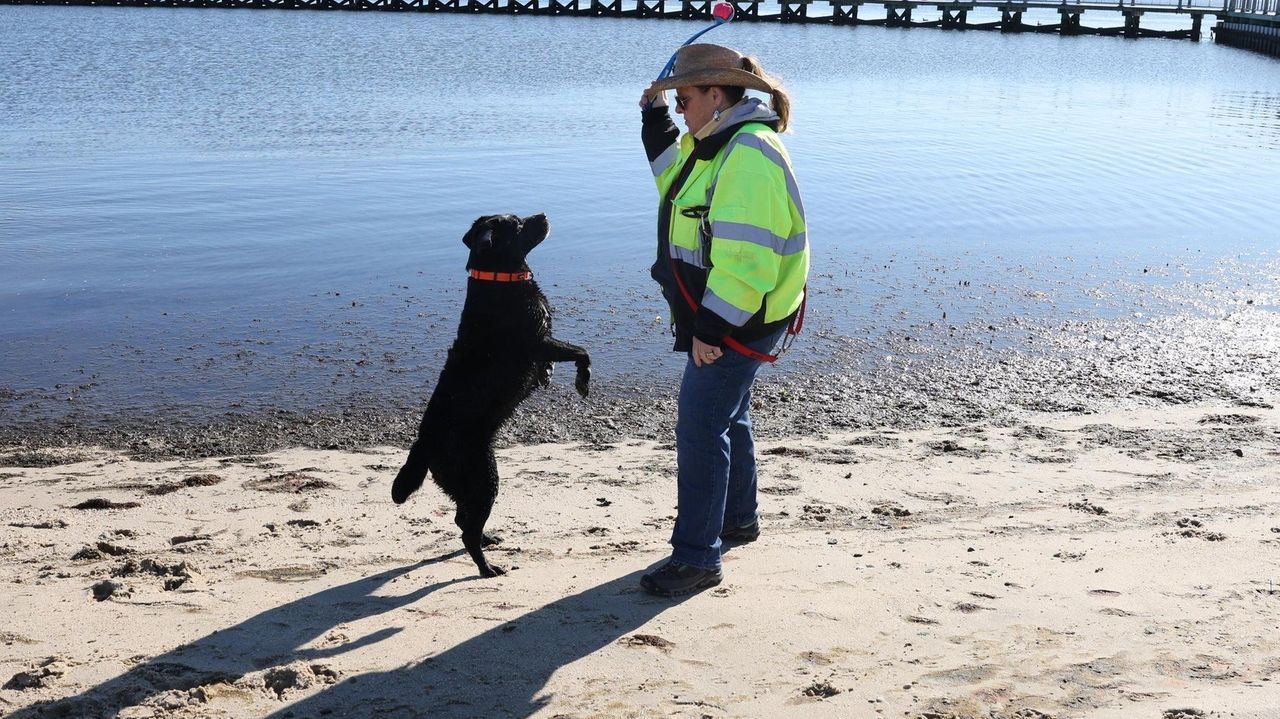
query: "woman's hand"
658, 98
704, 353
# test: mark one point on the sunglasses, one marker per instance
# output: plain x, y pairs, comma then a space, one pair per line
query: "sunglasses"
682, 102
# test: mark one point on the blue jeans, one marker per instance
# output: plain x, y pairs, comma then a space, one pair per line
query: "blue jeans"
715, 453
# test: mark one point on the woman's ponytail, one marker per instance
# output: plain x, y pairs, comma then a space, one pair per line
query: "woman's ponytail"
780, 101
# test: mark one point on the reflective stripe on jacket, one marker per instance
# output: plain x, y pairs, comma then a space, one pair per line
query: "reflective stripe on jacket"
732, 218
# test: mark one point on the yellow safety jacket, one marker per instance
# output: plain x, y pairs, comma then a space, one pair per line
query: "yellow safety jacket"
730, 223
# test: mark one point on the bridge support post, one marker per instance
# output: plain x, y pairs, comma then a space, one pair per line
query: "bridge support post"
1070, 20
954, 17
794, 10
651, 8
746, 10
1196, 19
1010, 18
897, 15
844, 13
695, 9
1132, 18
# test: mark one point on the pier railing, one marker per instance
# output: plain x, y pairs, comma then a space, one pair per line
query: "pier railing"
1207, 6
1254, 7
748, 10
1250, 24
1172, 6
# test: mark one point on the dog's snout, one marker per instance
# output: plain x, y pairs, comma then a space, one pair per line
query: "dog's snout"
535, 229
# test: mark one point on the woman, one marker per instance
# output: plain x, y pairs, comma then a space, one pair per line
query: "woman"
732, 262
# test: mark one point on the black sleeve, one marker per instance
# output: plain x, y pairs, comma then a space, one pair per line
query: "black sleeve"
710, 327
658, 131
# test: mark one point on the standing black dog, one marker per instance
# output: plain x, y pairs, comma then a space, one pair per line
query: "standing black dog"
503, 351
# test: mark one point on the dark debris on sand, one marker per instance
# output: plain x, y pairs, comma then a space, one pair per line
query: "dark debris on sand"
1087, 507
821, 690
1184, 714
39, 459
101, 503
195, 480
826, 383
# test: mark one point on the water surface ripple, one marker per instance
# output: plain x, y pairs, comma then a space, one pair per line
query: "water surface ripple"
205, 212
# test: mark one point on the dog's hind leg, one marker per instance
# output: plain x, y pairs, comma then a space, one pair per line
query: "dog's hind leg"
486, 539
473, 538
473, 511
413, 473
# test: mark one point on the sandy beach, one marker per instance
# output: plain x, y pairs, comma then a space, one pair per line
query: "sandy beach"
1022, 463
1115, 564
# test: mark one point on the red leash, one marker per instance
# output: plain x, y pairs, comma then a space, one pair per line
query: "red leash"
793, 329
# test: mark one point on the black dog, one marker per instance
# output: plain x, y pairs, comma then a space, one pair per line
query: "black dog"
503, 351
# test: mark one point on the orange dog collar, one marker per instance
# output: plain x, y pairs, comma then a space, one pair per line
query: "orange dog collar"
501, 276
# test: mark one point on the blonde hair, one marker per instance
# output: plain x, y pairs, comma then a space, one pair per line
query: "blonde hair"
779, 100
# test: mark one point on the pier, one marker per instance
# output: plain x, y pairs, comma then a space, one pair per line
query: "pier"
1248, 24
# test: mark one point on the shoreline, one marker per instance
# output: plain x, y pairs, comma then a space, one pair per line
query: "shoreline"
1109, 565
907, 381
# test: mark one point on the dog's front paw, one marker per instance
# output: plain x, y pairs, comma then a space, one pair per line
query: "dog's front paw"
492, 570
583, 382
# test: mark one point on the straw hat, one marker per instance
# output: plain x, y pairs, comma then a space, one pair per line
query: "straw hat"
704, 65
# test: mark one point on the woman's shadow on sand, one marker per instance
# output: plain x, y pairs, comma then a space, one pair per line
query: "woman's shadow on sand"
500, 672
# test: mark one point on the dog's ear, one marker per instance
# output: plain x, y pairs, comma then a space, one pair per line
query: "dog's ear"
534, 229
480, 236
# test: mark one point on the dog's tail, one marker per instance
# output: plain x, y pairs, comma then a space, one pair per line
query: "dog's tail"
412, 474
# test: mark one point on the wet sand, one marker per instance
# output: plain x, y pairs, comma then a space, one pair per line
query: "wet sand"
1112, 563
907, 378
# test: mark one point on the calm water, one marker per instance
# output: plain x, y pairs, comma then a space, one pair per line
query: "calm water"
233, 208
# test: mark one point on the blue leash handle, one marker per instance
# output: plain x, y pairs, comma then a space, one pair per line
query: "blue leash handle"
666, 69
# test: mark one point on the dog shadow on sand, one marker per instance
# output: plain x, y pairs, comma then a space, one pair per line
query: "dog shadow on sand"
500, 672
273, 638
